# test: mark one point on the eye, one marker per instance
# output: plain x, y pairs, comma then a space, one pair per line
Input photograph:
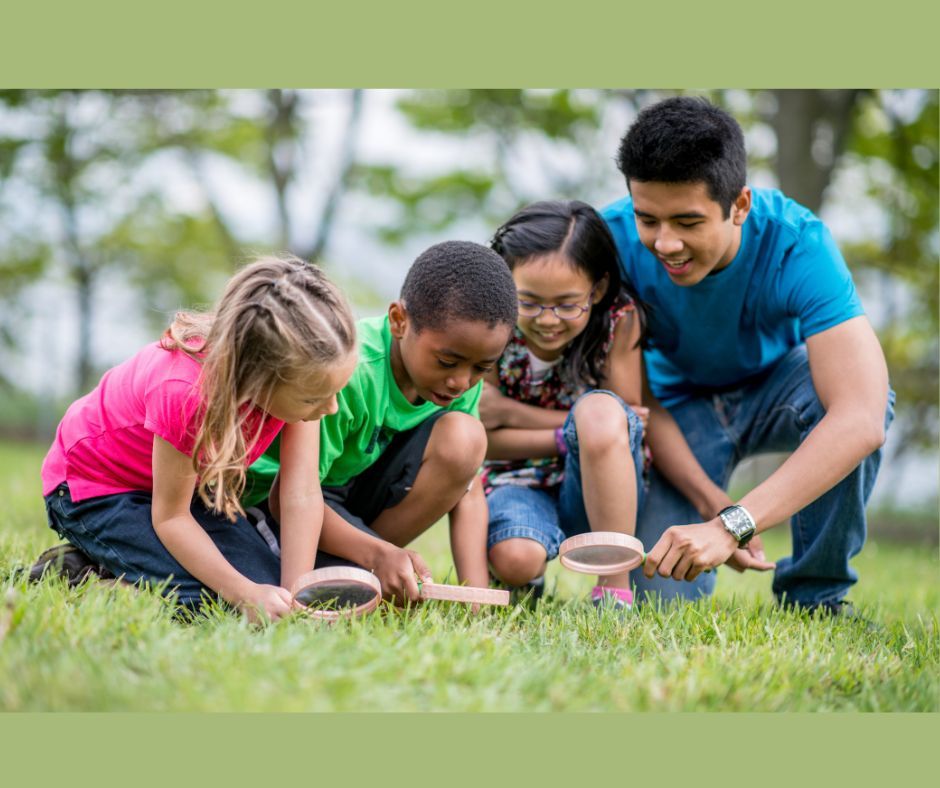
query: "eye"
689, 224
484, 370
447, 364
647, 222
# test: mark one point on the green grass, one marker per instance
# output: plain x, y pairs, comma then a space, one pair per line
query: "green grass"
98, 648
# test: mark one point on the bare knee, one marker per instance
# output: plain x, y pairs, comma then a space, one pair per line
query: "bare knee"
518, 561
457, 445
601, 423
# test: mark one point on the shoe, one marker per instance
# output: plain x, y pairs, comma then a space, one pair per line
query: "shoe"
619, 599
67, 561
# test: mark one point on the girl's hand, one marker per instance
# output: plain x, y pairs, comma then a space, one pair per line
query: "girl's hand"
642, 413
397, 570
492, 410
263, 602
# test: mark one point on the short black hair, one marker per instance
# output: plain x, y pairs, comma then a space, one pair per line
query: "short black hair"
686, 140
459, 280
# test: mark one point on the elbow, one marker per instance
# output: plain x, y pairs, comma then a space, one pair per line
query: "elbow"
875, 436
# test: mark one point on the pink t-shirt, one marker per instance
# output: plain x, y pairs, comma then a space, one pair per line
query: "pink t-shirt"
104, 444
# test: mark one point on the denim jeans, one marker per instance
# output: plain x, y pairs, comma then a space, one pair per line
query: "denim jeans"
550, 517
773, 414
116, 531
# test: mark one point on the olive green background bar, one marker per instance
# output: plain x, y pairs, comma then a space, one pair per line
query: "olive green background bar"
486, 43
445, 750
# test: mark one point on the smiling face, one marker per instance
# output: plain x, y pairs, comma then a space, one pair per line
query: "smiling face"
686, 229
313, 396
551, 280
438, 365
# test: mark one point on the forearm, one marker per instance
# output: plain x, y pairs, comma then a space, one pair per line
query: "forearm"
675, 460
188, 543
301, 522
468, 525
519, 415
344, 540
520, 444
828, 454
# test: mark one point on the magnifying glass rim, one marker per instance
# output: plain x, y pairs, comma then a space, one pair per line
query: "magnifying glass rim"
332, 574
601, 539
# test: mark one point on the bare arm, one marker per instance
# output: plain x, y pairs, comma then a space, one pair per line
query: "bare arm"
300, 499
851, 380
468, 526
498, 411
173, 483
395, 567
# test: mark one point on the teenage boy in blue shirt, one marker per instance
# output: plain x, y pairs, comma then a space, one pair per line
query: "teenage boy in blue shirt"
757, 343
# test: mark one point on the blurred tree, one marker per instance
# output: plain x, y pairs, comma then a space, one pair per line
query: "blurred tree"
127, 181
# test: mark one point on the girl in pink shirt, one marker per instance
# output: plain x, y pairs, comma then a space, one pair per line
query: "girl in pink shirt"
146, 471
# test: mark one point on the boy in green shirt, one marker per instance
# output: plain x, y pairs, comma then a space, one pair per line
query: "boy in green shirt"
404, 446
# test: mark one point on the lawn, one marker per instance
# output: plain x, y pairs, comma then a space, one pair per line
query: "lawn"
99, 648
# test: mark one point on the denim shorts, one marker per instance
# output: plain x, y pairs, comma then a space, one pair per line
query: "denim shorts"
117, 532
551, 516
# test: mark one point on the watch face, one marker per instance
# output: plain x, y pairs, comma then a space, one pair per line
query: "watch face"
737, 522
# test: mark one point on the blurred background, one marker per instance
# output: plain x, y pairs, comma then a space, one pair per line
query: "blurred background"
119, 207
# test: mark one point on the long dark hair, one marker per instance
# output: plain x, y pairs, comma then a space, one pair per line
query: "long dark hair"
576, 231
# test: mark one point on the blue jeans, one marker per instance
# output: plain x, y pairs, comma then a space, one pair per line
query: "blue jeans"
116, 531
773, 414
550, 517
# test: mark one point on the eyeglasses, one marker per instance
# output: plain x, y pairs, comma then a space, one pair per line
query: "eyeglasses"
562, 311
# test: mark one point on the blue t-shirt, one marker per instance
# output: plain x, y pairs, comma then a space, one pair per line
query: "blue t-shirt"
787, 282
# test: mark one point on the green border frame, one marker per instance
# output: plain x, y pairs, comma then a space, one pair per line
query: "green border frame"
490, 43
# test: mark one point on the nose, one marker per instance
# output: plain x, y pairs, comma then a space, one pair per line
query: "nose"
331, 407
458, 382
667, 242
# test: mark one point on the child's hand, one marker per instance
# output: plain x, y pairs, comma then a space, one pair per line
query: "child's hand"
643, 414
491, 410
396, 570
265, 603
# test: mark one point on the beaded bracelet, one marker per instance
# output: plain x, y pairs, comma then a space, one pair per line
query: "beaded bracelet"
560, 442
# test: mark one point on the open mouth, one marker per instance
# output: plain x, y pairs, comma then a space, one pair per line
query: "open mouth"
677, 267
442, 399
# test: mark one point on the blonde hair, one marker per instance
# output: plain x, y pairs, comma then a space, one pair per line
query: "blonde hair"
278, 320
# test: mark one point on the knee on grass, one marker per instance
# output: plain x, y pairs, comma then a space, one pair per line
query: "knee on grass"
517, 561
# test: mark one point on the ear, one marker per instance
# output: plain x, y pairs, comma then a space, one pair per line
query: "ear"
600, 289
741, 206
397, 319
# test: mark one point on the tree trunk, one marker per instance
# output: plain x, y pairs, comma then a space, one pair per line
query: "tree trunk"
812, 128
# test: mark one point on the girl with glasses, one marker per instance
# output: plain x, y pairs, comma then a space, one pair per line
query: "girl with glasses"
565, 449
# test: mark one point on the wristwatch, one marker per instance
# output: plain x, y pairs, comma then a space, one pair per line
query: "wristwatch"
739, 523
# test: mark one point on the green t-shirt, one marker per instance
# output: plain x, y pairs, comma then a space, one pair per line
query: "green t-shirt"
372, 410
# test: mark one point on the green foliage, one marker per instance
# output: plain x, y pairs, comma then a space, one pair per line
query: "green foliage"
99, 648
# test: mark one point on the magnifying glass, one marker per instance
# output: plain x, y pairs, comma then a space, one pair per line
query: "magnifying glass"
601, 553
468, 594
336, 592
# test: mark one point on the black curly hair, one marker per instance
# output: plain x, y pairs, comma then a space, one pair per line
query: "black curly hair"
574, 229
459, 280
686, 140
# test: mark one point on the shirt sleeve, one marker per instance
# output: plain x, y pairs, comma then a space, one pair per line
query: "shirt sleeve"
172, 412
817, 283
469, 401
